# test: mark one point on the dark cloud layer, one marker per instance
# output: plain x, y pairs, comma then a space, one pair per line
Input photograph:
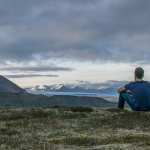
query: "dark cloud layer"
35, 69
28, 76
97, 30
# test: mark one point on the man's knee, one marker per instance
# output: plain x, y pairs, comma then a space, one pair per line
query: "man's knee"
123, 93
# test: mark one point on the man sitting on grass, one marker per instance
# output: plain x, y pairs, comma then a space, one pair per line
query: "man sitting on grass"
136, 94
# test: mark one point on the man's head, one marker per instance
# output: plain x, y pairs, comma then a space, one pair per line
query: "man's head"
139, 73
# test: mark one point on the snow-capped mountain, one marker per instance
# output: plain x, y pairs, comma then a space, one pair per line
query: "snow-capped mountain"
46, 87
109, 87
82, 85
79, 86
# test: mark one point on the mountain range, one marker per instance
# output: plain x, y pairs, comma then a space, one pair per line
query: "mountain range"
12, 96
79, 86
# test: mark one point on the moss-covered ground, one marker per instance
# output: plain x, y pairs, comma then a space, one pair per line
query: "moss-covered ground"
71, 128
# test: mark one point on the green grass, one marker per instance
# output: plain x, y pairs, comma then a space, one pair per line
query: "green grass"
74, 108
116, 110
62, 128
88, 141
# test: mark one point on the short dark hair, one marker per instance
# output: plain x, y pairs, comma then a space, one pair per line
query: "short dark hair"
139, 72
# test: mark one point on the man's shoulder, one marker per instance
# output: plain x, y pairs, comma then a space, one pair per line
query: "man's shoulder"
139, 82
133, 82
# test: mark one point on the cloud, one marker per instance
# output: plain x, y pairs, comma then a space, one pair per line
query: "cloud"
108, 87
28, 76
103, 85
35, 69
104, 31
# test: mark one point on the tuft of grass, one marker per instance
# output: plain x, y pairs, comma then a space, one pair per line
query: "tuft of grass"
59, 106
20, 124
128, 120
11, 117
74, 115
38, 113
81, 109
88, 141
25, 115
56, 106
74, 108
8, 132
79, 141
116, 110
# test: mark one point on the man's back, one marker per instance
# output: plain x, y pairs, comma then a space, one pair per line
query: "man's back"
140, 91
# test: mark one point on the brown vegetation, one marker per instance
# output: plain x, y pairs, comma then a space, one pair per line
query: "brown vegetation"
74, 127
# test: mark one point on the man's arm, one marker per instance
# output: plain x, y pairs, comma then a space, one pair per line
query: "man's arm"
122, 89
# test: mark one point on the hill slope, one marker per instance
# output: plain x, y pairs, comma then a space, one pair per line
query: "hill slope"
27, 100
8, 86
62, 129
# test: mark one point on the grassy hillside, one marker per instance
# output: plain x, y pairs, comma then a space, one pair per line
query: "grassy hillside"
27, 100
67, 129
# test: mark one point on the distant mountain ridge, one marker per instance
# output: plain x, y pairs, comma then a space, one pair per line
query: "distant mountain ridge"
8, 86
79, 86
27, 100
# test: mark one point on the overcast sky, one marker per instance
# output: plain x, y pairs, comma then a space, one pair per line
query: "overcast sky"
61, 41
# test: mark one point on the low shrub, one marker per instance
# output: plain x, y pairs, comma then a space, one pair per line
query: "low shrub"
88, 141
38, 113
116, 110
8, 132
21, 123
128, 120
81, 109
55, 106
79, 141
58, 106
74, 108
74, 115
12, 117
61, 107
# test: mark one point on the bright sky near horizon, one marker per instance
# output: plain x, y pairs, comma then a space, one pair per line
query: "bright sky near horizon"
52, 42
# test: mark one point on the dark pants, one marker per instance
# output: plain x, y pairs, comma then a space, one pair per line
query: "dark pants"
125, 96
